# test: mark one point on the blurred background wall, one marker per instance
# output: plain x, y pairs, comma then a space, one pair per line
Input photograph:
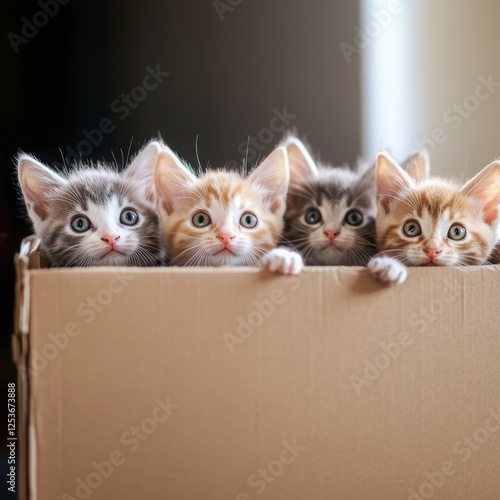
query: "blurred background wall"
431, 78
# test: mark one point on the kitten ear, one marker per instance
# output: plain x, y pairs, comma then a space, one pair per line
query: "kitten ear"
301, 164
417, 166
390, 180
38, 183
172, 179
272, 176
485, 187
367, 180
141, 172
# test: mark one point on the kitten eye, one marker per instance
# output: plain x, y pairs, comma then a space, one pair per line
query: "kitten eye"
80, 224
248, 220
201, 219
129, 217
457, 232
412, 228
354, 217
313, 216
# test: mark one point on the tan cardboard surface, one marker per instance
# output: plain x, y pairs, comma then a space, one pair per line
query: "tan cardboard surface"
237, 384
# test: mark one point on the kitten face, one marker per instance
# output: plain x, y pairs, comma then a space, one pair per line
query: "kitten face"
330, 211
95, 216
435, 222
221, 218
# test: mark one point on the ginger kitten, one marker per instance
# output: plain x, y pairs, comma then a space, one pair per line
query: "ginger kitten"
94, 215
432, 221
221, 218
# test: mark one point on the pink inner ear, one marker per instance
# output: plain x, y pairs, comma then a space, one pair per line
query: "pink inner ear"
41, 208
385, 202
490, 214
167, 207
275, 206
150, 194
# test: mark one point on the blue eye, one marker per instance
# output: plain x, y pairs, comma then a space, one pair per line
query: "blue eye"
354, 217
201, 219
248, 220
313, 216
129, 217
80, 224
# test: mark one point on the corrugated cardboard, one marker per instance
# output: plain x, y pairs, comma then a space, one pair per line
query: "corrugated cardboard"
187, 383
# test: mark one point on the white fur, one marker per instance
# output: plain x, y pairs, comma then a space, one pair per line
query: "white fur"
266, 189
284, 261
105, 221
387, 270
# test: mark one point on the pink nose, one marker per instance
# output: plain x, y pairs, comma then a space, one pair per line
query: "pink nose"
225, 238
432, 252
331, 234
110, 240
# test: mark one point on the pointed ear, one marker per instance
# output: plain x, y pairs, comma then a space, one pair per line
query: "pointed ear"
142, 170
485, 187
390, 180
172, 179
417, 166
367, 180
301, 164
38, 183
272, 177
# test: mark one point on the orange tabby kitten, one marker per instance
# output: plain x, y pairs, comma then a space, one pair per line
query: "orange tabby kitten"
432, 222
221, 218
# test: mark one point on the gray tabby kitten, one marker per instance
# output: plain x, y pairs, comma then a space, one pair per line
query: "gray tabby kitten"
95, 216
330, 215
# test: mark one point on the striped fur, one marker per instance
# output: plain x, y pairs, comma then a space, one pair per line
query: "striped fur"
334, 191
100, 194
437, 206
225, 197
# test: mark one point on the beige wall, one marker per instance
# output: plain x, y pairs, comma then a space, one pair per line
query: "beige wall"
450, 46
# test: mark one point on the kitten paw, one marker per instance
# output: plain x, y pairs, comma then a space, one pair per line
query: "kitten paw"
387, 270
283, 261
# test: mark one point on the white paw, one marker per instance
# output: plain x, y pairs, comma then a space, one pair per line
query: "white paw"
284, 261
387, 270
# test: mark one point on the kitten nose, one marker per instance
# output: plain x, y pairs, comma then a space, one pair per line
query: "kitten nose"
331, 234
225, 238
110, 240
432, 252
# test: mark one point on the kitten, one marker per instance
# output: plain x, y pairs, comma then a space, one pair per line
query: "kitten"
330, 215
95, 216
432, 221
495, 255
221, 218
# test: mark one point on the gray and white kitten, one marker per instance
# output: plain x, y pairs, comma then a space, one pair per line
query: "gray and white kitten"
330, 215
94, 215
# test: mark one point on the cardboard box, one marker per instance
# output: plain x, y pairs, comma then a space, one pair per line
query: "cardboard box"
187, 383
